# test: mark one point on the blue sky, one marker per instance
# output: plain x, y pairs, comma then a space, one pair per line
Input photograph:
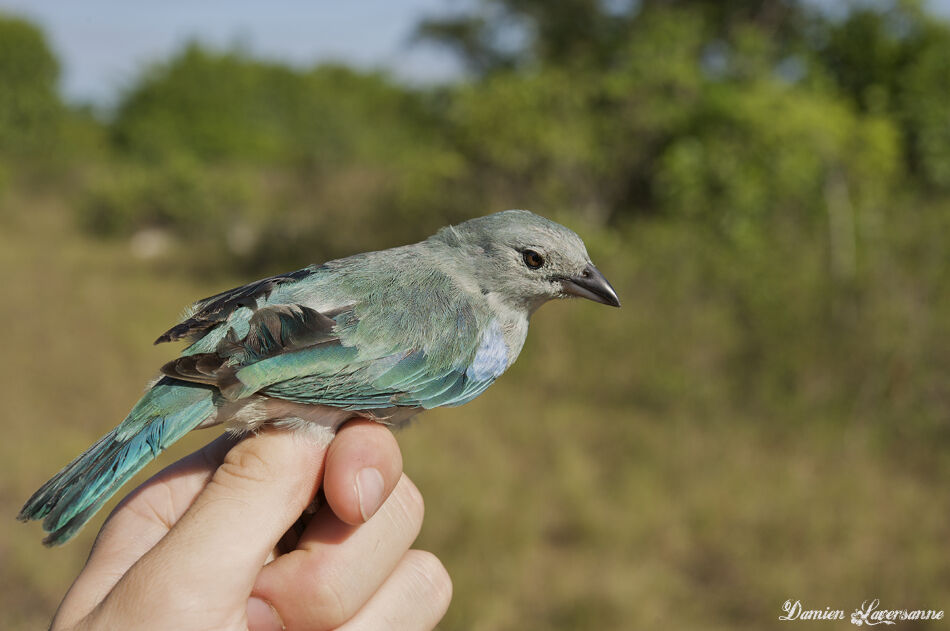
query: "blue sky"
102, 44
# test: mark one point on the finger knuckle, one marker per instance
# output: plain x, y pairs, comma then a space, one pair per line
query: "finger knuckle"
245, 466
326, 602
432, 581
408, 505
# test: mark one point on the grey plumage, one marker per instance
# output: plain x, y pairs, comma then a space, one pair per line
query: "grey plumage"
380, 335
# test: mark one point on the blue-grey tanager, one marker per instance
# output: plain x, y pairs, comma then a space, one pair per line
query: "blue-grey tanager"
380, 335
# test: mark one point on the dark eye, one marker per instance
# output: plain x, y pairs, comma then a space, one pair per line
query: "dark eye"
532, 259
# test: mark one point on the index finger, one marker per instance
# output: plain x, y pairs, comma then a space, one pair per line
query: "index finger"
148, 514
207, 562
138, 522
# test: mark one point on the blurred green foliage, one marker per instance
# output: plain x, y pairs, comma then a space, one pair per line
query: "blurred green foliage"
768, 187
745, 120
43, 141
897, 62
30, 108
214, 144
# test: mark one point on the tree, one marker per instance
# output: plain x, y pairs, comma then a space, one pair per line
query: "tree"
896, 60
30, 109
503, 34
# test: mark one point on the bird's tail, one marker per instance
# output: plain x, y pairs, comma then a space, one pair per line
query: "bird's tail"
168, 411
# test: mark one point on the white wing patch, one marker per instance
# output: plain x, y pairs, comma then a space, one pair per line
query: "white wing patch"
491, 358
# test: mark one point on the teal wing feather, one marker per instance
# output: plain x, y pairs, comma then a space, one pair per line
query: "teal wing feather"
403, 347
411, 378
209, 313
396, 336
355, 389
167, 412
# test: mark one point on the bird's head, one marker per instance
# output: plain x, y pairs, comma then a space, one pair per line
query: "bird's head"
526, 260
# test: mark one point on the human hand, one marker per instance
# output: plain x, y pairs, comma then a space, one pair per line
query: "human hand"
192, 547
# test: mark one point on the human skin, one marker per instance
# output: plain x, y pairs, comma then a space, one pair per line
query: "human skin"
196, 546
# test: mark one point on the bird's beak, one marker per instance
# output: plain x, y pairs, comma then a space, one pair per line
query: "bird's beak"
592, 285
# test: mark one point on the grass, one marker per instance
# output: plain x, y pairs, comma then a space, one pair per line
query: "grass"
589, 489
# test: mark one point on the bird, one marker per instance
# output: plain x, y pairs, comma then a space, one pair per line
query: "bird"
379, 335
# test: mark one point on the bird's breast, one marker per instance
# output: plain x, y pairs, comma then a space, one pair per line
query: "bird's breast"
492, 356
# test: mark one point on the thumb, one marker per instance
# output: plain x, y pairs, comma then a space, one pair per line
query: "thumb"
222, 541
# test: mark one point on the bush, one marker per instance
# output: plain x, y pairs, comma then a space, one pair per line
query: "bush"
30, 109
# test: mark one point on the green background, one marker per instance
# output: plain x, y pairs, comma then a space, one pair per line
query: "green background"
766, 186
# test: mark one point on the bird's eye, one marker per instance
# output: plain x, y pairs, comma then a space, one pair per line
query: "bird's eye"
532, 259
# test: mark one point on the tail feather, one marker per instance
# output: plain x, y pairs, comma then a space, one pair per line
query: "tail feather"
166, 413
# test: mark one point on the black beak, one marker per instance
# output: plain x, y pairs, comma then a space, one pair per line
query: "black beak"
592, 285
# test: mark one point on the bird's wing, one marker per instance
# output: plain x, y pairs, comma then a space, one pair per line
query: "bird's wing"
412, 378
210, 312
255, 339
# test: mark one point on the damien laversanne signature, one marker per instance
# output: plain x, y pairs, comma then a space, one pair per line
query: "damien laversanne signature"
869, 613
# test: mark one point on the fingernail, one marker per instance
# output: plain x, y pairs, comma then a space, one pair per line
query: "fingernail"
261, 616
369, 491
